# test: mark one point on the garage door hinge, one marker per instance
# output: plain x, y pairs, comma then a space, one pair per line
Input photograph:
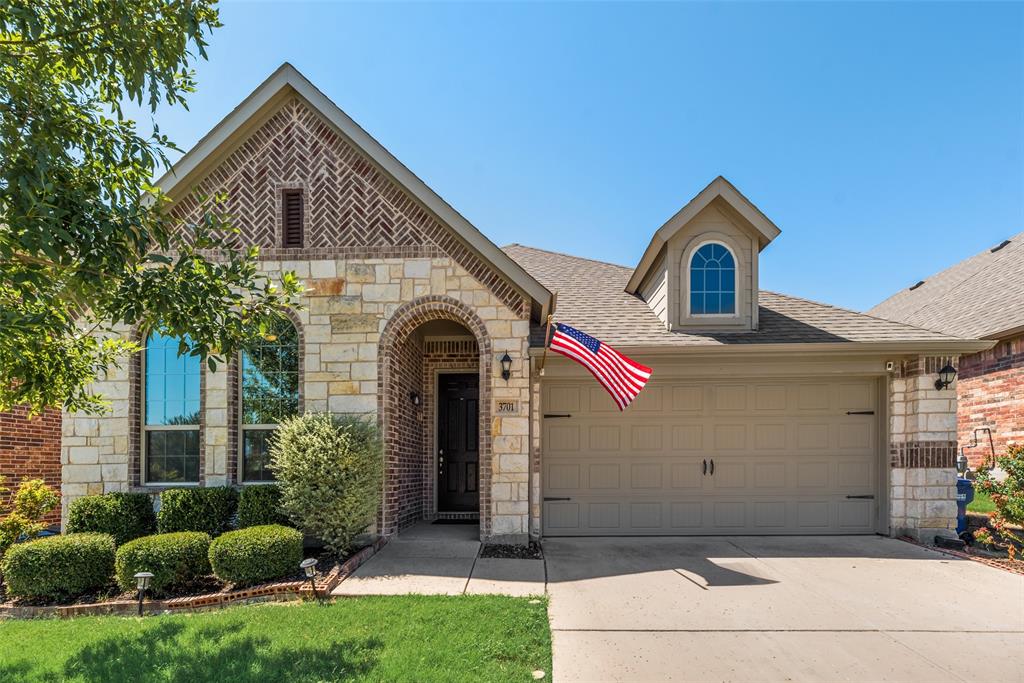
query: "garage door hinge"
860, 412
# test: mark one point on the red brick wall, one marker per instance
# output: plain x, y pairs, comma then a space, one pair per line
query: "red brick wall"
405, 471
30, 449
990, 389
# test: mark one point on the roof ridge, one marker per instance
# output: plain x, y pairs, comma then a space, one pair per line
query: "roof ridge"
861, 313
562, 253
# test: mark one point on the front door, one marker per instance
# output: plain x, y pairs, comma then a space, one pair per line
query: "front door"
458, 452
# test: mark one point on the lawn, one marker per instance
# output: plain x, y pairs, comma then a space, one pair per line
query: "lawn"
981, 503
400, 638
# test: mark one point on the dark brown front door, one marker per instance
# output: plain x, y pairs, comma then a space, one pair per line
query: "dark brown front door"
458, 453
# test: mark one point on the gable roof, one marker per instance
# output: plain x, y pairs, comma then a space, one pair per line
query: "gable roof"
719, 188
982, 296
592, 296
285, 82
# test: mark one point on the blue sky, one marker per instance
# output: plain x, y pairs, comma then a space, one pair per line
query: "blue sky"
885, 140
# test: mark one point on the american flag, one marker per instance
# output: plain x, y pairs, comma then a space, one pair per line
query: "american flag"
621, 377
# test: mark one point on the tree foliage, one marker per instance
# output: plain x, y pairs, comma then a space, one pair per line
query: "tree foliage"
87, 245
30, 503
1007, 492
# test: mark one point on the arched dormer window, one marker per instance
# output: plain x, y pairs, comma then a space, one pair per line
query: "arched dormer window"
713, 280
270, 393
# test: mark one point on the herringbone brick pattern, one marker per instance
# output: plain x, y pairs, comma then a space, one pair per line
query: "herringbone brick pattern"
349, 203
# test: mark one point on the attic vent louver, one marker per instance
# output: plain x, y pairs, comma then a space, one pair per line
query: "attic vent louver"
291, 218
915, 286
999, 246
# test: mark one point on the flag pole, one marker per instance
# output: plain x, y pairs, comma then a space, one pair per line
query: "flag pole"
547, 332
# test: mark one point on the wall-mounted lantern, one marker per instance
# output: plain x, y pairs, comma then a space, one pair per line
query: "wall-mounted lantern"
506, 366
946, 376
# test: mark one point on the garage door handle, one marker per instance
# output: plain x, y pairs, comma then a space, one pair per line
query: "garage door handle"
860, 412
704, 467
869, 496
547, 499
712, 467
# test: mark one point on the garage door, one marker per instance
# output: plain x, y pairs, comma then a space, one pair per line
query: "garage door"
772, 457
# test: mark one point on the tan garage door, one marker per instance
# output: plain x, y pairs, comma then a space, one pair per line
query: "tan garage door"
764, 457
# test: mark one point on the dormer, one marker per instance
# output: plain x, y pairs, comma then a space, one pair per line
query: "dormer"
699, 273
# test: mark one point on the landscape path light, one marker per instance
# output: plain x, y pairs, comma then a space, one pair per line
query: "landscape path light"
308, 566
142, 580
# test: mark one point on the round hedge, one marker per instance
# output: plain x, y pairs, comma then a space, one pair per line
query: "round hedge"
59, 567
256, 554
206, 509
125, 516
176, 560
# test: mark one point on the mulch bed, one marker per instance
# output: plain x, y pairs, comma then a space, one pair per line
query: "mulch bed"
1004, 563
512, 552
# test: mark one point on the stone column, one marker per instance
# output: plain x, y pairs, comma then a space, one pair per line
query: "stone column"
922, 450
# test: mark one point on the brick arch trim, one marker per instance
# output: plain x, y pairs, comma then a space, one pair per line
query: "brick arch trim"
402, 323
234, 382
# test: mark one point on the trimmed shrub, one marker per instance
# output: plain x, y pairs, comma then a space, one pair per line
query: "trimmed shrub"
209, 510
329, 473
125, 516
176, 560
260, 504
27, 507
256, 554
59, 567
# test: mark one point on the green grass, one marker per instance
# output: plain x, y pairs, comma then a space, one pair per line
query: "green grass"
401, 638
981, 503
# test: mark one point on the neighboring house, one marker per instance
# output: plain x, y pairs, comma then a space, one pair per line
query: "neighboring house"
30, 449
980, 297
766, 414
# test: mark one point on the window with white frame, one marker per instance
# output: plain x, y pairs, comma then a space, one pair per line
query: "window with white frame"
269, 394
171, 403
712, 280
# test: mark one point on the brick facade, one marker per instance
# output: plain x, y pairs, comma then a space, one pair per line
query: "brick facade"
30, 449
991, 395
922, 450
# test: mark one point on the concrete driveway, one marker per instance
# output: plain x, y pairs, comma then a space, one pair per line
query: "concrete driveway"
779, 609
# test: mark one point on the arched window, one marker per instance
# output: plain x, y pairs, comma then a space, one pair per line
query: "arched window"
712, 281
171, 401
270, 393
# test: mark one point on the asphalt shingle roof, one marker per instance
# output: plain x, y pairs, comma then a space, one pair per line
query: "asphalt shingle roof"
592, 297
978, 297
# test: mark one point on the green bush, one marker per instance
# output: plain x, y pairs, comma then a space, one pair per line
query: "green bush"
29, 504
329, 473
1007, 494
125, 516
209, 510
260, 504
256, 554
59, 567
175, 560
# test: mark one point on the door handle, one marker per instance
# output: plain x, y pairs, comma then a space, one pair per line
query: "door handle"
869, 496
704, 467
549, 498
712, 467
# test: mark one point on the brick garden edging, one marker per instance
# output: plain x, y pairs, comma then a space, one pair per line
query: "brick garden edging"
1014, 567
277, 591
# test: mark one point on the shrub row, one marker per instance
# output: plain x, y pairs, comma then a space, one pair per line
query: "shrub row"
64, 567
127, 516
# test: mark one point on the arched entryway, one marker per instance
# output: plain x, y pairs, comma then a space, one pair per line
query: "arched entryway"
433, 348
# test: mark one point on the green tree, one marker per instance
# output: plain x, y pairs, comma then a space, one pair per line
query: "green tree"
86, 242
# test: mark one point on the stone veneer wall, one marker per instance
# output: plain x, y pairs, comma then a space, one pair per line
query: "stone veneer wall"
347, 307
30, 449
922, 450
991, 394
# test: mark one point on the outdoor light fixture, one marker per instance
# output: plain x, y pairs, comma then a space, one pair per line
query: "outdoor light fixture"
308, 566
506, 366
414, 398
142, 580
946, 376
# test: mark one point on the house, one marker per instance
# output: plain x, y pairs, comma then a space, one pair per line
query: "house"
767, 414
981, 297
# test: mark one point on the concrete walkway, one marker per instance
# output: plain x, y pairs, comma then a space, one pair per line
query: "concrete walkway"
441, 559
779, 609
